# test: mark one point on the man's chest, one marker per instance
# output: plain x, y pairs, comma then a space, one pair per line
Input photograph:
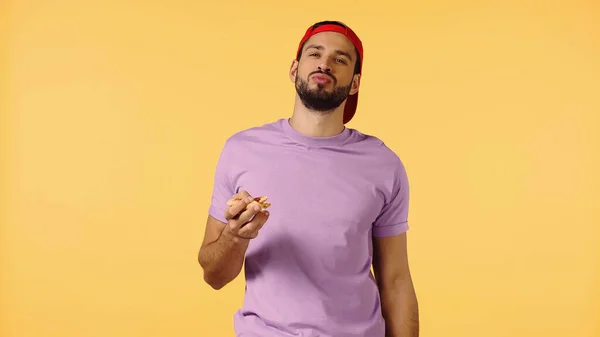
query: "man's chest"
319, 199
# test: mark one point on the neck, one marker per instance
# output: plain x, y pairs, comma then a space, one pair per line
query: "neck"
315, 124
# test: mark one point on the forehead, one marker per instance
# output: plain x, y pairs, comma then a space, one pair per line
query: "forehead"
332, 41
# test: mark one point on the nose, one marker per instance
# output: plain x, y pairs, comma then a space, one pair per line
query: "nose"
324, 67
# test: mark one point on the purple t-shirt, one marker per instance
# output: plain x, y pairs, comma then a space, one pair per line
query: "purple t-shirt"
308, 271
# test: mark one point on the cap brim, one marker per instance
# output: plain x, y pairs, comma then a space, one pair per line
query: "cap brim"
350, 107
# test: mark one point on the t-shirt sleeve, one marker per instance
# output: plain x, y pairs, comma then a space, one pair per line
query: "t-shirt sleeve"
393, 219
223, 186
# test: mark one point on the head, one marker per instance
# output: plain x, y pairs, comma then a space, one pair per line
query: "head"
327, 68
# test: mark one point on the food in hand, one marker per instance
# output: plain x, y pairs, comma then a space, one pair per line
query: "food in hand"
260, 200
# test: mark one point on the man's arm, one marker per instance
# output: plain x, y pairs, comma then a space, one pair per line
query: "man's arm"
224, 245
398, 297
221, 255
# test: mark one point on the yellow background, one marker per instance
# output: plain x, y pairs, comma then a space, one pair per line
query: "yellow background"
114, 112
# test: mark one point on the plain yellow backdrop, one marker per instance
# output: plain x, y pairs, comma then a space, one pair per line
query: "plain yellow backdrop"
114, 112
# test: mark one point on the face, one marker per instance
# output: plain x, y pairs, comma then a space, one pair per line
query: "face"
324, 76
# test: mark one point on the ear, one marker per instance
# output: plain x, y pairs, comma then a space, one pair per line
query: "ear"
294, 71
355, 84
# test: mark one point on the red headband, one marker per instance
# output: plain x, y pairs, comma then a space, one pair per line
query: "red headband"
352, 100
349, 33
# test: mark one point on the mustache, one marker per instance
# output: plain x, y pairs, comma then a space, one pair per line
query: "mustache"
323, 73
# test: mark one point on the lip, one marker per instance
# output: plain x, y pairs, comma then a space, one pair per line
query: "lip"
320, 78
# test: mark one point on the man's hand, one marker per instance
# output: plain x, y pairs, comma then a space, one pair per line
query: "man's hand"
224, 246
245, 217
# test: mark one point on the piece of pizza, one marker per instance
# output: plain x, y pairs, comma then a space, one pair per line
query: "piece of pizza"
260, 200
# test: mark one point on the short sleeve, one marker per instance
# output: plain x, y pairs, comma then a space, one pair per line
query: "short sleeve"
223, 187
393, 218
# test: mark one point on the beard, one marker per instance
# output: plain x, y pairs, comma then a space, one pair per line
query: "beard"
320, 100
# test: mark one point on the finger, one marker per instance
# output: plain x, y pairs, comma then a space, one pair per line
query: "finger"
261, 219
238, 202
251, 229
235, 210
241, 195
261, 201
248, 213
238, 196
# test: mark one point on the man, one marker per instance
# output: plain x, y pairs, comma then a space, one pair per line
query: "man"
339, 205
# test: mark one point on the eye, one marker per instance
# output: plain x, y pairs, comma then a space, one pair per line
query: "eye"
313, 54
340, 60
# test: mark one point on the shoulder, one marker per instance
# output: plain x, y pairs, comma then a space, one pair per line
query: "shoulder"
385, 165
377, 151
256, 134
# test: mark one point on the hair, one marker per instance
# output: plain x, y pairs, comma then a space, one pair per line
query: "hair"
337, 23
